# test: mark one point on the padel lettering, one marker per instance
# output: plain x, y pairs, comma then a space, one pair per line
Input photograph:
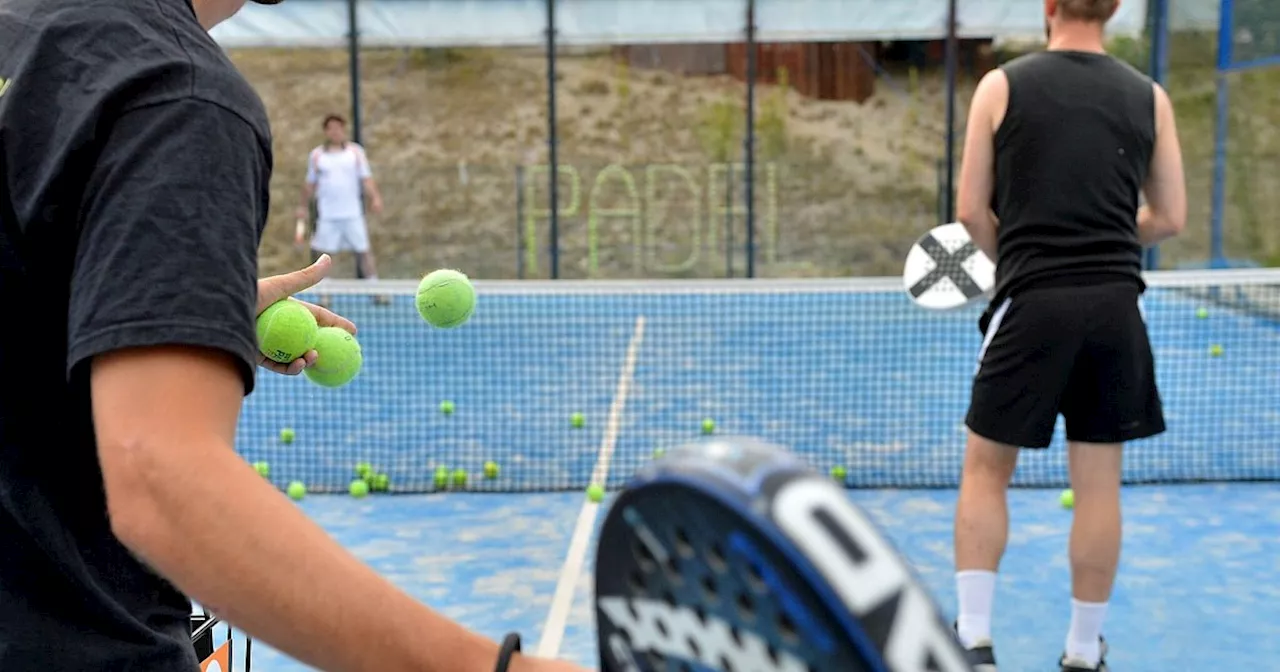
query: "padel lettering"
677, 632
867, 574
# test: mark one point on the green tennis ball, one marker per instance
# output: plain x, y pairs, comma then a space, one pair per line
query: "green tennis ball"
1215, 350
490, 470
442, 477
1202, 313
364, 469
459, 477
338, 359
446, 407
287, 435
286, 331
708, 426
658, 452
839, 473
263, 469
595, 493
358, 488
446, 299
1067, 499
380, 483
578, 420
296, 490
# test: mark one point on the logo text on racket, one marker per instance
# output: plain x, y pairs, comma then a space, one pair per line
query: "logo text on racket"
868, 576
677, 632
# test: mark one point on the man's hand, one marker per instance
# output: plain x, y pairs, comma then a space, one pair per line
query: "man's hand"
376, 204
277, 287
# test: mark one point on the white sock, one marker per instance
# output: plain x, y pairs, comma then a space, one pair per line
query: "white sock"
976, 590
1086, 627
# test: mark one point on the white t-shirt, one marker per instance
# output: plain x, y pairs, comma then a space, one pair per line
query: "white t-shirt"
337, 175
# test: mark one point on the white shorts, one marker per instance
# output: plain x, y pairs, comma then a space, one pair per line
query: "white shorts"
341, 235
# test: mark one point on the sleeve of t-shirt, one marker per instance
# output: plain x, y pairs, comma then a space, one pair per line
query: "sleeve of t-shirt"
362, 161
169, 230
312, 158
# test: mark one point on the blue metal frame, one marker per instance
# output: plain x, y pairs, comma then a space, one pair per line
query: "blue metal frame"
1159, 70
1222, 126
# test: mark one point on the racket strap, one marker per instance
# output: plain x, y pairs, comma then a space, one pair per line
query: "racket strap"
510, 647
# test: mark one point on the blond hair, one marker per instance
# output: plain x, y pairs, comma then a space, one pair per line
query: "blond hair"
1098, 11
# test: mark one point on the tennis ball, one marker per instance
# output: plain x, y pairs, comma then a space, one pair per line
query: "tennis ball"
297, 490
1067, 499
708, 426
1215, 350
442, 477
595, 493
338, 358
263, 469
459, 478
287, 435
839, 473
490, 470
446, 407
658, 452
446, 299
1202, 313
286, 331
380, 483
364, 469
358, 488
578, 420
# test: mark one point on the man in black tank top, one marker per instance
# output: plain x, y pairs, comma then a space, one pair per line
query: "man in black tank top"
1059, 146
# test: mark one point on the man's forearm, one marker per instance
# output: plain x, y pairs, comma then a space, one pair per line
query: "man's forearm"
308, 192
227, 538
1152, 229
982, 229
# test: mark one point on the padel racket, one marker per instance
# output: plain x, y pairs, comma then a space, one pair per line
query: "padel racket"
734, 556
946, 270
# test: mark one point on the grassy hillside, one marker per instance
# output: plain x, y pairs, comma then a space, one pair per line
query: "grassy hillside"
645, 189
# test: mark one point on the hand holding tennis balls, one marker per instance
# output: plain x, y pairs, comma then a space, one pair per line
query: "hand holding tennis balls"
279, 288
446, 299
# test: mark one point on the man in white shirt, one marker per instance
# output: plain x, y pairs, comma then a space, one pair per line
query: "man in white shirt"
338, 177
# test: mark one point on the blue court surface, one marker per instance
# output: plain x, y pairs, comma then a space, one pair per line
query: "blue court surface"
859, 379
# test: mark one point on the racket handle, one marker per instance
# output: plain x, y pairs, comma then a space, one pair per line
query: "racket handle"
299, 231
510, 647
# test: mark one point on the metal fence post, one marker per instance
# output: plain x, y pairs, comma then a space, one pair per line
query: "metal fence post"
552, 141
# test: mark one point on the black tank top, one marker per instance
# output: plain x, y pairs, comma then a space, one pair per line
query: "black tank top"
1071, 156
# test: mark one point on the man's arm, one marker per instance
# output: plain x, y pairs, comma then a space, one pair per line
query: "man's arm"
366, 181
978, 170
308, 186
162, 314
1165, 214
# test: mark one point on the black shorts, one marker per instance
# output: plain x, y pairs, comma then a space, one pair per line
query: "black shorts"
1080, 351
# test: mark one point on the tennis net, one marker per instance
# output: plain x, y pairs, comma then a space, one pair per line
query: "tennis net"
848, 373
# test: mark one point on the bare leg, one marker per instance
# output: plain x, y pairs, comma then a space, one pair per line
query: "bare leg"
981, 531
367, 269
1096, 533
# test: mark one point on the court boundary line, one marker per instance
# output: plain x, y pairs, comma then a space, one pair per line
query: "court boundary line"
580, 543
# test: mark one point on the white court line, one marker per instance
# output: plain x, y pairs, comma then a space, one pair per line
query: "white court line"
579, 543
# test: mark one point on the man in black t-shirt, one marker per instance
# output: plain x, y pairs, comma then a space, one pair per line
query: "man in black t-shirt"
134, 171
1059, 146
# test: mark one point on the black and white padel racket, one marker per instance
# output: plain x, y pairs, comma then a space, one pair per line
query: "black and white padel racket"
945, 270
734, 556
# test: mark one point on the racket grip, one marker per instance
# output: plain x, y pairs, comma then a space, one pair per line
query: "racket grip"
299, 230
510, 647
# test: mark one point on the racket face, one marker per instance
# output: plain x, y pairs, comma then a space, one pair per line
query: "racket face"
733, 556
944, 270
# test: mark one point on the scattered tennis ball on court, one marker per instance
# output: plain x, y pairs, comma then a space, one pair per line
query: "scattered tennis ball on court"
338, 358
380, 483
286, 331
708, 426
358, 488
1202, 313
442, 477
595, 493
446, 299
446, 407
578, 420
839, 473
287, 435
658, 452
490, 470
1067, 499
459, 478
296, 490
364, 469
263, 469
1215, 350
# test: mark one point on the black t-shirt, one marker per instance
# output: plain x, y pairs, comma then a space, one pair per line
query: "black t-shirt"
1072, 154
134, 170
